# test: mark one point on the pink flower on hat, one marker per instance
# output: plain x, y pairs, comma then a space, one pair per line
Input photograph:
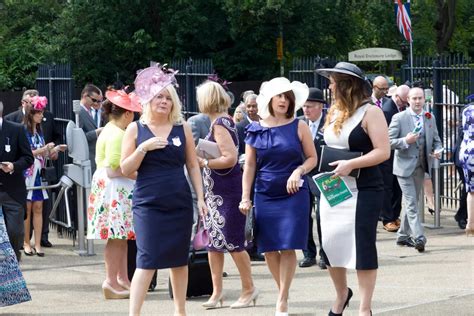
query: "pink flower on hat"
152, 80
39, 103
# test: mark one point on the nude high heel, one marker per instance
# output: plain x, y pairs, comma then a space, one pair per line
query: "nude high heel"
277, 313
111, 293
469, 231
123, 284
213, 304
252, 298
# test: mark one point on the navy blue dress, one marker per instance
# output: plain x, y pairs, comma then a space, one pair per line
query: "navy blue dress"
281, 219
162, 204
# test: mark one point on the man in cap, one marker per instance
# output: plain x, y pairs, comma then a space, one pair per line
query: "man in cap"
392, 194
314, 117
414, 136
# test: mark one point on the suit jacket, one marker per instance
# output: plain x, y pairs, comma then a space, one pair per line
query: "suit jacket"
241, 134
86, 122
389, 109
406, 158
318, 142
19, 154
200, 125
51, 130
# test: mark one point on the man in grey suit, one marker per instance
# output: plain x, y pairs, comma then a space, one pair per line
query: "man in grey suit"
414, 137
91, 96
200, 125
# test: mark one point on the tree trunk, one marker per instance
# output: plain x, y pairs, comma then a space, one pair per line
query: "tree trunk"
445, 24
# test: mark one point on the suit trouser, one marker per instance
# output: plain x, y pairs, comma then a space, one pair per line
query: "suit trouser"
311, 251
462, 210
392, 203
411, 187
14, 215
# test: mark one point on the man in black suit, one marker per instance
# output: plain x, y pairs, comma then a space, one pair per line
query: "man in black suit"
392, 204
51, 133
314, 117
251, 116
15, 157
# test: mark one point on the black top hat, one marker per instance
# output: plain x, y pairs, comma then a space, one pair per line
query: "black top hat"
316, 95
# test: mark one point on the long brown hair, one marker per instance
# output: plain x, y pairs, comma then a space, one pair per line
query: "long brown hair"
350, 94
28, 119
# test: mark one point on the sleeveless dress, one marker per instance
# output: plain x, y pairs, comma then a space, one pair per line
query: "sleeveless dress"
162, 203
13, 288
109, 212
466, 152
223, 191
348, 230
33, 173
281, 219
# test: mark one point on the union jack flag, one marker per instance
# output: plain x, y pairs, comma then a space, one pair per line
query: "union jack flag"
402, 12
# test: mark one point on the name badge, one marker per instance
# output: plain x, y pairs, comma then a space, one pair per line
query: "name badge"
176, 141
7, 148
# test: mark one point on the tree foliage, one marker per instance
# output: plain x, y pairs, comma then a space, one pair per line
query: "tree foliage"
109, 40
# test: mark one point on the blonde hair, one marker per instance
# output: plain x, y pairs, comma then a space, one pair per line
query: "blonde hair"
212, 98
175, 116
350, 93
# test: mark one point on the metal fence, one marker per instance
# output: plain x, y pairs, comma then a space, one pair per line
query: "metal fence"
192, 72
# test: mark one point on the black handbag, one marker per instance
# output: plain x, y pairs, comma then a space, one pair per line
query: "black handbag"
48, 172
330, 154
249, 226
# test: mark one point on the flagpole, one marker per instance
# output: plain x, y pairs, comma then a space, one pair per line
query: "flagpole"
411, 60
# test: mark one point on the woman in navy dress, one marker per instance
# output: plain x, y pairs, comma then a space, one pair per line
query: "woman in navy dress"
348, 229
466, 157
279, 151
222, 182
157, 148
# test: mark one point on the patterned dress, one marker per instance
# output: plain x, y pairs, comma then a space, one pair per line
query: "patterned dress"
33, 173
223, 190
466, 152
109, 214
12, 285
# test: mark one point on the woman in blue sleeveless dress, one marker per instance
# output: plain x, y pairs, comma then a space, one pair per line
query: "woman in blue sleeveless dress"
157, 148
222, 179
348, 229
279, 151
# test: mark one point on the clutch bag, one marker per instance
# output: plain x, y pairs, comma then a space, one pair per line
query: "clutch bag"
330, 154
249, 226
201, 239
207, 149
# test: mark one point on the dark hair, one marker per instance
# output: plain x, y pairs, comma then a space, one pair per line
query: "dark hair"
111, 110
291, 108
89, 89
28, 120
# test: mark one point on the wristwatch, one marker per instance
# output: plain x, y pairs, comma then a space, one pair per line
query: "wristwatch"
206, 162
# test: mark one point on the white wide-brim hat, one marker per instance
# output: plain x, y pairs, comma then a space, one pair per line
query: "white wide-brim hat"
279, 85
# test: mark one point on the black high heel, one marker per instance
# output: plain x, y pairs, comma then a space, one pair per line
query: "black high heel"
431, 211
346, 304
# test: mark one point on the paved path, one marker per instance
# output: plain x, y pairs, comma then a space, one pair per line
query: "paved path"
437, 282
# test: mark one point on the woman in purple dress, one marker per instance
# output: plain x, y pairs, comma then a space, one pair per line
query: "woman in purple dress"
222, 183
466, 157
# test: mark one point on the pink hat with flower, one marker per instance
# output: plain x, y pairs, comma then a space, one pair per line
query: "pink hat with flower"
39, 103
126, 101
152, 80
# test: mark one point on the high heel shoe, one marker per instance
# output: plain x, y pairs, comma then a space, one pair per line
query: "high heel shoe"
277, 313
123, 284
346, 304
111, 293
469, 231
252, 298
213, 303
431, 211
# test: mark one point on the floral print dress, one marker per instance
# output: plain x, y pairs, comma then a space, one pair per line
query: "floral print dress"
109, 212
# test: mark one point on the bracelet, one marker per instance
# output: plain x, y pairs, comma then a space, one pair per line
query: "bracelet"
303, 169
245, 201
141, 150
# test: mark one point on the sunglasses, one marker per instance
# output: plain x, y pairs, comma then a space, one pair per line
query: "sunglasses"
94, 100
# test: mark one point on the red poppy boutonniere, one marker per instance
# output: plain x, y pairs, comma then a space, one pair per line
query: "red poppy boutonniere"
428, 115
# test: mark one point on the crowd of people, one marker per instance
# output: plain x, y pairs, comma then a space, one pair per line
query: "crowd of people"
150, 184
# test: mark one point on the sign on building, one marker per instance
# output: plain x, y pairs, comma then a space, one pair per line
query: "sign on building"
375, 54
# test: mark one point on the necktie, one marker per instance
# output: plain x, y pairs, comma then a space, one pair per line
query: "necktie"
313, 128
378, 103
96, 118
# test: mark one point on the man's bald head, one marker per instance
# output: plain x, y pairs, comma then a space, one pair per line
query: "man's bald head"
400, 96
380, 85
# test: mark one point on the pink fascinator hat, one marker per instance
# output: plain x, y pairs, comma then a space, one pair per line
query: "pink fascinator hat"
39, 103
129, 102
150, 81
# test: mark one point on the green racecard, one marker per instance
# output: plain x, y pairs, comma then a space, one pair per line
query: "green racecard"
333, 188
